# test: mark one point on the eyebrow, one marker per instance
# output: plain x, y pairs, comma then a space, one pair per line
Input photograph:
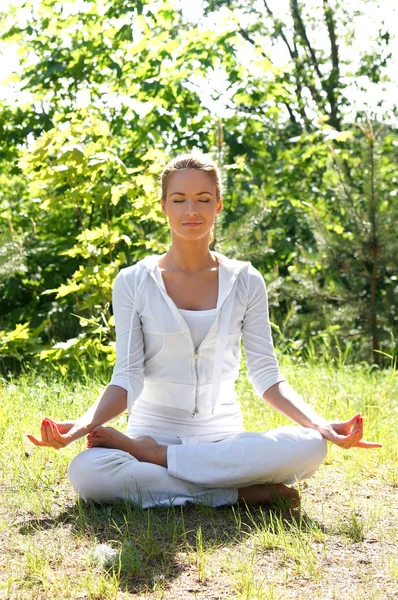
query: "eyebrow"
182, 193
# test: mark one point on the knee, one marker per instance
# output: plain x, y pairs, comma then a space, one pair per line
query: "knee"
318, 443
81, 474
100, 474
76, 471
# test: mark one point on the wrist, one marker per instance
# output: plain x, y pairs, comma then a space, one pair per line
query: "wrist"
320, 425
80, 429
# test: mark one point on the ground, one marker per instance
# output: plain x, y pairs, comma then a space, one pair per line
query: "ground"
342, 544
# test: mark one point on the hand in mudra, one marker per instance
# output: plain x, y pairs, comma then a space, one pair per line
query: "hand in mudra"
347, 434
56, 434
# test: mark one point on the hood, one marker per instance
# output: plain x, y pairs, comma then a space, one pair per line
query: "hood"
228, 272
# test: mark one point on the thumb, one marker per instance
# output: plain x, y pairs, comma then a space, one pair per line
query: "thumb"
332, 435
65, 437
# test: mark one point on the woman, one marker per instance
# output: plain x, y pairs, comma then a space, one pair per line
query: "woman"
179, 319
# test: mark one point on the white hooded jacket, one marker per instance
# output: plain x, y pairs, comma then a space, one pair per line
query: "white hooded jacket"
155, 355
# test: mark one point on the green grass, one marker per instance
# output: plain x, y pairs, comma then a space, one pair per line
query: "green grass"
343, 544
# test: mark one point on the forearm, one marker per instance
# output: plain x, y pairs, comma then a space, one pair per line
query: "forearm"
286, 400
108, 406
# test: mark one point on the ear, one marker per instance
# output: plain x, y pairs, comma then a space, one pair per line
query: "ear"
219, 206
163, 207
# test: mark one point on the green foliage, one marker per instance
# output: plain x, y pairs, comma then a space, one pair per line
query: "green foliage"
312, 236
17, 343
116, 89
84, 198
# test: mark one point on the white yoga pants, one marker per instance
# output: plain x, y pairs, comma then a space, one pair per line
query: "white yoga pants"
205, 473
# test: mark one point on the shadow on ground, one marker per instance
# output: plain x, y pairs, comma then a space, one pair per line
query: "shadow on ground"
147, 545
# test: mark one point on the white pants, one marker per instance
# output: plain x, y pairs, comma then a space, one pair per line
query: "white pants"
201, 472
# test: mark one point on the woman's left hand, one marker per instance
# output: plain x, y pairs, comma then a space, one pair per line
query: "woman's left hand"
347, 434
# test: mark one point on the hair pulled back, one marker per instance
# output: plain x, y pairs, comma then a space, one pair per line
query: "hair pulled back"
197, 161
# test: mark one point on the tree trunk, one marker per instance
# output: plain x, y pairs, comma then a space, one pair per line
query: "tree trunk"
374, 246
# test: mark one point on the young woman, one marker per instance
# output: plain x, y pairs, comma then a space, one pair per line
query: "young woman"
179, 321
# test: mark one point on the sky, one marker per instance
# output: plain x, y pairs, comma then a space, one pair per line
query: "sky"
376, 12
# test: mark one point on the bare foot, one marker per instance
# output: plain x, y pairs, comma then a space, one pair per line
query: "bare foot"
269, 493
144, 448
107, 437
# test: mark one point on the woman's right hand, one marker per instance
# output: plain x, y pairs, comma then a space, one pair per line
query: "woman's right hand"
57, 434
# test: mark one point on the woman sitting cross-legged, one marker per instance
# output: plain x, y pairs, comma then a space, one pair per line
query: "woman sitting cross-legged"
179, 319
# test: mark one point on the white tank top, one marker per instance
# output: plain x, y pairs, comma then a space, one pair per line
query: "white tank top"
199, 322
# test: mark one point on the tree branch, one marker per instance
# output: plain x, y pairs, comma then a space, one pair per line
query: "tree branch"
333, 79
279, 29
303, 34
302, 112
293, 52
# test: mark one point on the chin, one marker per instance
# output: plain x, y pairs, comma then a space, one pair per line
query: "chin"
188, 234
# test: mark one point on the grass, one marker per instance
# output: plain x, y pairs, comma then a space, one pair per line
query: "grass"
343, 544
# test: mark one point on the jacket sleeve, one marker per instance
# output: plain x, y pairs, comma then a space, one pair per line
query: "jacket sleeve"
128, 371
262, 364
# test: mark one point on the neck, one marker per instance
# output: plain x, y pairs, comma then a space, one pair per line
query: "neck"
188, 257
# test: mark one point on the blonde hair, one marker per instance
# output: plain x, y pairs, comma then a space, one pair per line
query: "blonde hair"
197, 161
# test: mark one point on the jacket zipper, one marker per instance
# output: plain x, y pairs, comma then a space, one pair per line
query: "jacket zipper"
196, 410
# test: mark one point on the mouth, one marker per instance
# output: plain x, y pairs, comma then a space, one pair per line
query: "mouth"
192, 223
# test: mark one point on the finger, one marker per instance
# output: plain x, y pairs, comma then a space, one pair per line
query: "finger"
38, 442
35, 441
352, 439
357, 430
61, 427
43, 431
341, 429
57, 439
51, 440
361, 428
54, 430
342, 441
364, 444
355, 424
59, 424
57, 435
351, 421
357, 433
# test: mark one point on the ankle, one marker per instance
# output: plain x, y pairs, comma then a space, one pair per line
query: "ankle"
150, 453
160, 456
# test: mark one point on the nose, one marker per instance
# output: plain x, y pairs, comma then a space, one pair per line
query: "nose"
190, 207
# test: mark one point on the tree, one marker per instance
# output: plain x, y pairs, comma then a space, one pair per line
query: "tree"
88, 197
301, 207
114, 92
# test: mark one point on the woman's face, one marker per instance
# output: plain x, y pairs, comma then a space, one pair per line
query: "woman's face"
191, 203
